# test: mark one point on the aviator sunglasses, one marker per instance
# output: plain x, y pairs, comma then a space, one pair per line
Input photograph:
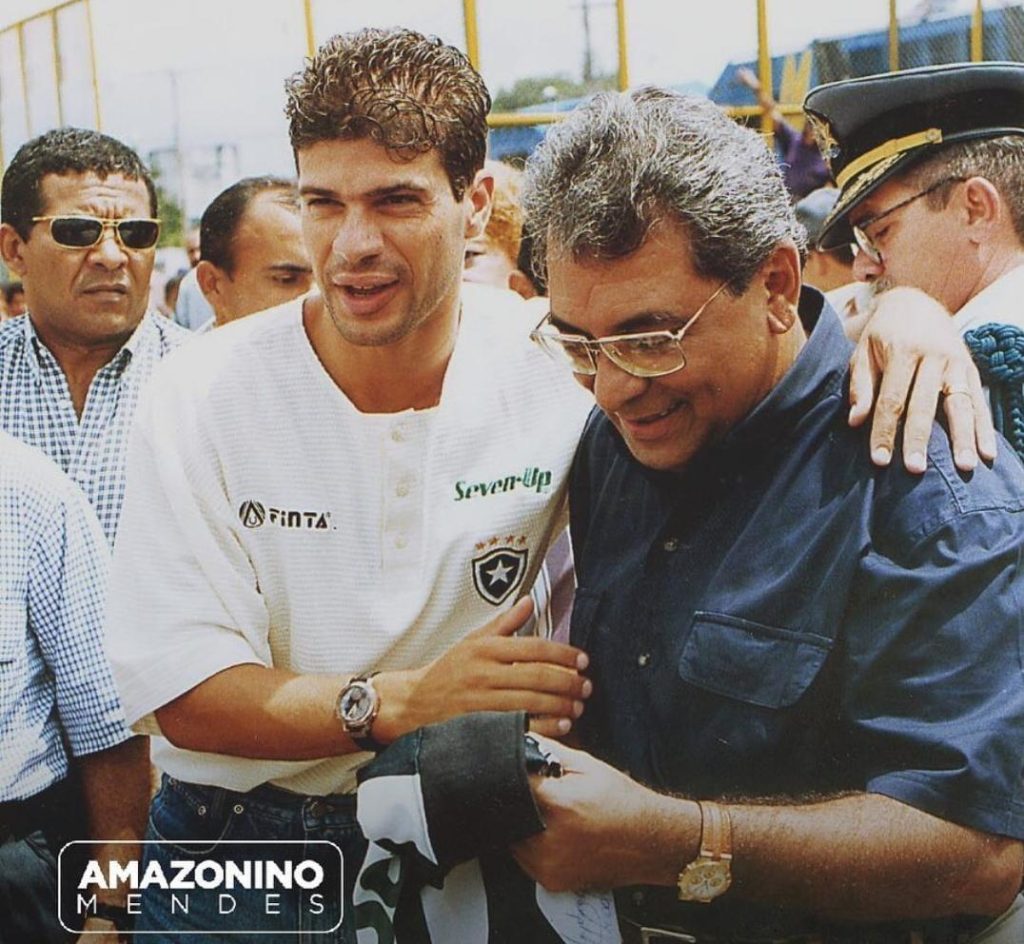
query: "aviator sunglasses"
84, 232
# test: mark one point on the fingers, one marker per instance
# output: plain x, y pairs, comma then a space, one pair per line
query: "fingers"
965, 406
493, 670
970, 422
549, 679
892, 397
479, 682
550, 727
921, 408
966, 409
959, 409
537, 705
984, 429
554, 690
863, 380
533, 649
551, 695
497, 639
912, 334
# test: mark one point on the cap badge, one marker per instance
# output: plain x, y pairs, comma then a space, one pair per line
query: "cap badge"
827, 143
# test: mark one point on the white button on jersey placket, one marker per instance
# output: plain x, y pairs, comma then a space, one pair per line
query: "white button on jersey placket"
403, 450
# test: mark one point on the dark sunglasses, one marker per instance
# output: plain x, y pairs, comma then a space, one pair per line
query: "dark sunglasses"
84, 232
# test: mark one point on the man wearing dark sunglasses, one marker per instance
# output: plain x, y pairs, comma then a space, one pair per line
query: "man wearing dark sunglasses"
79, 225
931, 168
807, 667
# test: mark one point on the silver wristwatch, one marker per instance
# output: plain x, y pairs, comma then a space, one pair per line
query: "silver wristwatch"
357, 709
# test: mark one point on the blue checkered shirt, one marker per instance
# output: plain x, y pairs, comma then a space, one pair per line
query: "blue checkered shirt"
36, 407
57, 693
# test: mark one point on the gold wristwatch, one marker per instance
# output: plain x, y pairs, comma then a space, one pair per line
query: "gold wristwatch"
710, 874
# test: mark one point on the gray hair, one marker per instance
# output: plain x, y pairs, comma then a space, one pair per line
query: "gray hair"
623, 162
999, 160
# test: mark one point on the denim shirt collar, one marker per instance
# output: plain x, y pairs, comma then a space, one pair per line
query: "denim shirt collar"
820, 369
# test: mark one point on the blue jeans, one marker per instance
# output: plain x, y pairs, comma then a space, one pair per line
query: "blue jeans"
28, 891
30, 842
194, 821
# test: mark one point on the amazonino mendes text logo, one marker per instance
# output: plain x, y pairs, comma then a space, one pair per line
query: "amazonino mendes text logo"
254, 514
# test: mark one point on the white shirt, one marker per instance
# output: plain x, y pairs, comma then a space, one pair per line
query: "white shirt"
999, 303
268, 521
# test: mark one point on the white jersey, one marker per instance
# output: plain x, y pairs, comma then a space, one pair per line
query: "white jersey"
268, 521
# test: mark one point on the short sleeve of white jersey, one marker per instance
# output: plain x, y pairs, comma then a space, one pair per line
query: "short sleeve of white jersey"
184, 603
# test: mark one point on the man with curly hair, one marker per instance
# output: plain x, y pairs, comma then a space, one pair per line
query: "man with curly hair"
349, 493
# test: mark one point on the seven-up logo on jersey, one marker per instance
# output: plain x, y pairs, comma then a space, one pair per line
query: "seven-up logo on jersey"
498, 573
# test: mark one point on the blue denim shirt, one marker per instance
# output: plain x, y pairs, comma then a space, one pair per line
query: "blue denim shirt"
783, 618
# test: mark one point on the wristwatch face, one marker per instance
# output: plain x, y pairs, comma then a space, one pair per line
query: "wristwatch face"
704, 880
357, 704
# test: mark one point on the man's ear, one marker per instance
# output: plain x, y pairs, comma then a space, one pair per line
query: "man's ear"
10, 249
782, 314
478, 200
210, 279
520, 282
982, 202
781, 272
780, 276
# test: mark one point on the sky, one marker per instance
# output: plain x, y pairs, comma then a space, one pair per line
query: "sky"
207, 75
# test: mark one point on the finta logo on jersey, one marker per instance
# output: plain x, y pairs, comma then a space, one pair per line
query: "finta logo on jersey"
254, 514
537, 479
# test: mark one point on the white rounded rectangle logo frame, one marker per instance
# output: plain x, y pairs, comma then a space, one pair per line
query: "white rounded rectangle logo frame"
182, 880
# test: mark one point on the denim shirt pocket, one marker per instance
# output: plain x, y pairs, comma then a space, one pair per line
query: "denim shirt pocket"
751, 662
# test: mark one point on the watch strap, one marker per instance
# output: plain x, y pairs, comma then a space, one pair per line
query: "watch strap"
365, 741
117, 915
710, 874
716, 831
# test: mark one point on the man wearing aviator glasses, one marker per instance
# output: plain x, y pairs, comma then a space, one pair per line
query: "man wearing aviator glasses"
80, 227
807, 666
931, 164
